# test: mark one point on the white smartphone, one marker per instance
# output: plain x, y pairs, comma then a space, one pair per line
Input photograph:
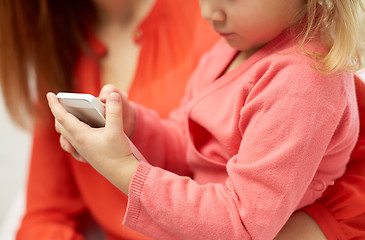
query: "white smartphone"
88, 109
85, 107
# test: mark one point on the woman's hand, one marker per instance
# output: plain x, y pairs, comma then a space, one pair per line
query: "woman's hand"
106, 149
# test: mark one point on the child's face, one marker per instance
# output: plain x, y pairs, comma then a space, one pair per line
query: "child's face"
249, 24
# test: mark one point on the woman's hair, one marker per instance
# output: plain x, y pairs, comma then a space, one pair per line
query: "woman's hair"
41, 37
341, 24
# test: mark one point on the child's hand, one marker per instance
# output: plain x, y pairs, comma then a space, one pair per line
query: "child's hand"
106, 149
129, 113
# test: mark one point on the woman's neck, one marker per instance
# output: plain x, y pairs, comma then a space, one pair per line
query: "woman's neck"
124, 14
119, 20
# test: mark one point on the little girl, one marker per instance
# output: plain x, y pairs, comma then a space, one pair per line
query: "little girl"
268, 121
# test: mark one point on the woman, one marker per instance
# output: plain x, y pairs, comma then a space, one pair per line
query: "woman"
145, 47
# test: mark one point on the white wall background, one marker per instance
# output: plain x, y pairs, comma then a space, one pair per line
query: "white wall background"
14, 154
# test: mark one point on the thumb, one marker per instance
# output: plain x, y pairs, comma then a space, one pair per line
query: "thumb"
114, 118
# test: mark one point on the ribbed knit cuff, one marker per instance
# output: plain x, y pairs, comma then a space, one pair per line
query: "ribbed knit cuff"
135, 190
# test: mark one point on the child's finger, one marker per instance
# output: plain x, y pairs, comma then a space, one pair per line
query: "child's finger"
114, 118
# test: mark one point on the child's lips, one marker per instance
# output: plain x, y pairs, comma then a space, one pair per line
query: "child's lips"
225, 34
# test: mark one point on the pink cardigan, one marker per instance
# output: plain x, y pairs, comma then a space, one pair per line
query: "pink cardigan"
245, 149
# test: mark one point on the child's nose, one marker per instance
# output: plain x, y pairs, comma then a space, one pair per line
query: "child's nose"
211, 13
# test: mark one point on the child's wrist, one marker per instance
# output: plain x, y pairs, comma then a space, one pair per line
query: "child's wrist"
123, 173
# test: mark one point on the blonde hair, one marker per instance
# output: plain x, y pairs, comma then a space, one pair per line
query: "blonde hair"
341, 24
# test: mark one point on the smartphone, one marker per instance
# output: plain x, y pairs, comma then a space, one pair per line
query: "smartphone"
85, 107
89, 109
